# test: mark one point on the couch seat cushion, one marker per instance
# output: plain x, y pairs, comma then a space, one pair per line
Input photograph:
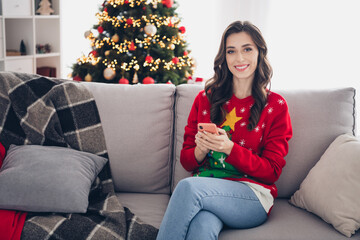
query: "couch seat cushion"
150, 208
287, 222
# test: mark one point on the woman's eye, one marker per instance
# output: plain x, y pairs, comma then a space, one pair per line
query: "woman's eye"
230, 51
248, 49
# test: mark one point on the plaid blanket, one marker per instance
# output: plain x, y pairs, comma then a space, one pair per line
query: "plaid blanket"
47, 111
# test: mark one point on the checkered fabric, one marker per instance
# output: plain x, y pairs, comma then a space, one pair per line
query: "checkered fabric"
46, 111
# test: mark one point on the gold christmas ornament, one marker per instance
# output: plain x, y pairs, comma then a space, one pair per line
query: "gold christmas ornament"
45, 8
150, 29
107, 52
109, 73
87, 34
172, 46
135, 78
115, 38
88, 78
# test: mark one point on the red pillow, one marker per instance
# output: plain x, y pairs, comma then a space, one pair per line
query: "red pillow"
2, 154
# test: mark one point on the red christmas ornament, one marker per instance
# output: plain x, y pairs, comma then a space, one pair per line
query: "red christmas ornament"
129, 21
126, 2
182, 29
198, 79
105, 10
170, 24
149, 59
77, 78
123, 81
175, 60
132, 46
94, 53
148, 80
168, 3
169, 82
100, 29
186, 53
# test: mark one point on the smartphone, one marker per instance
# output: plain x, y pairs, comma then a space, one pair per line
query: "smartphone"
208, 127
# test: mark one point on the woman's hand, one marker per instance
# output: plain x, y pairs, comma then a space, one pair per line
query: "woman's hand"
207, 141
200, 150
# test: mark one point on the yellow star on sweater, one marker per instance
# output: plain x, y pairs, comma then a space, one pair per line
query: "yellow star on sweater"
231, 119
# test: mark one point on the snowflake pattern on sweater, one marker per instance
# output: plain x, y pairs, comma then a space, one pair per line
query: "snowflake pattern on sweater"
257, 155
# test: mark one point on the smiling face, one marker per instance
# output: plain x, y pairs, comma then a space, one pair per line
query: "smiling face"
241, 56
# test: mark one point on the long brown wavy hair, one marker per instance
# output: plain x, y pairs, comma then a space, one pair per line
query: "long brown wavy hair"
219, 88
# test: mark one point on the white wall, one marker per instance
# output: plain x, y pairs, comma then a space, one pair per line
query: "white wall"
205, 22
314, 44
77, 17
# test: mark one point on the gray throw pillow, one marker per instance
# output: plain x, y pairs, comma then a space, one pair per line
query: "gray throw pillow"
47, 179
331, 189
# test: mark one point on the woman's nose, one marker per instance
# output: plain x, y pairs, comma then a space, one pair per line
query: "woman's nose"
240, 56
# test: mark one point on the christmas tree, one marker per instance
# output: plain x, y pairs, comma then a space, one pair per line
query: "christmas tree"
136, 41
45, 8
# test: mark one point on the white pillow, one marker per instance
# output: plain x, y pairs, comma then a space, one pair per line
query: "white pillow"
331, 190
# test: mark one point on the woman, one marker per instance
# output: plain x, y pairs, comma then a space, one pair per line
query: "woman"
236, 170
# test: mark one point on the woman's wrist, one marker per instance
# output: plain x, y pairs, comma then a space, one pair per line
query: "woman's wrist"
199, 155
229, 149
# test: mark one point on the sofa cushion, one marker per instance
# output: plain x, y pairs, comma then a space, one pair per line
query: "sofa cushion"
138, 127
331, 190
150, 208
287, 222
47, 179
185, 95
317, 116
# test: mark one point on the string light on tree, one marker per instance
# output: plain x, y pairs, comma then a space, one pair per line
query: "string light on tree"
136, 39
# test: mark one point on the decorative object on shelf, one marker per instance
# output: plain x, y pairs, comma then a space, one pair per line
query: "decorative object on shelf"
136, 39
45, 8
22, 48
43, 48
46, 71
21, 29
11, 52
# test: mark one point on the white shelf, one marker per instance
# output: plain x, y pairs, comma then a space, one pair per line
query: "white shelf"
45, 55
47, 17
20, 22
19, 57
17, 17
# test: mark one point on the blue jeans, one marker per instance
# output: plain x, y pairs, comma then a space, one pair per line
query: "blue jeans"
200, 206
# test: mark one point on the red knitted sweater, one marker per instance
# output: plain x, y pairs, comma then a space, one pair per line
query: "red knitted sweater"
258, 154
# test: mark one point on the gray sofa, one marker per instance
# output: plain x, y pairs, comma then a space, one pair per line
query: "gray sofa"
144, 127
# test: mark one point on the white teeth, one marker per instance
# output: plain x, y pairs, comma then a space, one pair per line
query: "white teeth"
242, 67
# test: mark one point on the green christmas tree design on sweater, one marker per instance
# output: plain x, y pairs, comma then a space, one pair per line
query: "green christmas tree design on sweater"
215, 165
